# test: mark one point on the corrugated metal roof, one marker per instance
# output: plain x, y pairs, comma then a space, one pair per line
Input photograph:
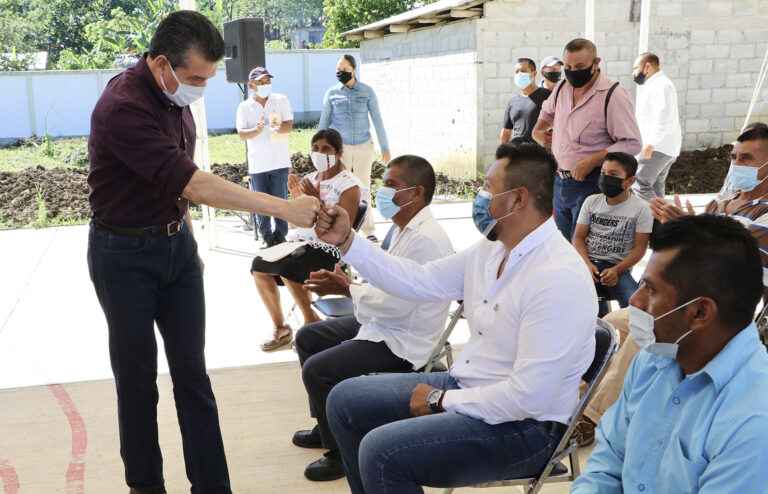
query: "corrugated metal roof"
439, 12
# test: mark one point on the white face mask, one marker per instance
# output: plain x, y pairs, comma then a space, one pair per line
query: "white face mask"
185, 94
641, 328
322, 161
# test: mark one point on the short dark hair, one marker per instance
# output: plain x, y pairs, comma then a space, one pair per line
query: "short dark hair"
416, 171
350, 59
650, 58
579, 44
757, 132
183, 30
719, 259
331, 136
627, 162
531, 63
530, 166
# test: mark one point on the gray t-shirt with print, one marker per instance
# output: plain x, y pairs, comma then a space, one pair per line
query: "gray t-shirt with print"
612, 228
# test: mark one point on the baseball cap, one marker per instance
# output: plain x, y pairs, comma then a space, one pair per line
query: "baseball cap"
258, 73
550, 61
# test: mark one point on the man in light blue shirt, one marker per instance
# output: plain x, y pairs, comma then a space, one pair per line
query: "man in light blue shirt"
693, 413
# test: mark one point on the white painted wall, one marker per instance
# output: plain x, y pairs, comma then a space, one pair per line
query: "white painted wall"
425, 81
60, 102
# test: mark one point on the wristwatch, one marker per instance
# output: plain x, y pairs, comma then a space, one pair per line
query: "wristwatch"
434, 399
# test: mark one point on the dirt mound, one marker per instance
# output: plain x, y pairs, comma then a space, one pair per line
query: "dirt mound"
63, 192
43, 193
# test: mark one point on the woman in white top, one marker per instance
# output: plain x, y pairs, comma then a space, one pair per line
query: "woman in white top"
332, 184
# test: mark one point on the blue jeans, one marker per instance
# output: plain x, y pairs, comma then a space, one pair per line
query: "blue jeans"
621, 291
274, 183
141, 282
386, 449
569, 194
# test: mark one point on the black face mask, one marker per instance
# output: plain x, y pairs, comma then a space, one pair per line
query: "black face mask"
579, 78
639, 79
343, 76
610, 186
552, 76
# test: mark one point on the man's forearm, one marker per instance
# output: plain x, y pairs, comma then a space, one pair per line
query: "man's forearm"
634, 256
245, 134
596, 159
209, 189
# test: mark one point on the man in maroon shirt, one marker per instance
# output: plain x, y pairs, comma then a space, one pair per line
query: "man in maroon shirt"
142, 255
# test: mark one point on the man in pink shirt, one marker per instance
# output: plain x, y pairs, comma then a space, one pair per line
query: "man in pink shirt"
587, 117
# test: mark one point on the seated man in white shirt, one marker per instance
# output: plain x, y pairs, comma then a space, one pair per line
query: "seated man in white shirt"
531, 307
387, 333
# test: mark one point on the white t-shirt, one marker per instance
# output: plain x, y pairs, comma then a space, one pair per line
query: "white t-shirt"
263, 154
330, 193
612, 229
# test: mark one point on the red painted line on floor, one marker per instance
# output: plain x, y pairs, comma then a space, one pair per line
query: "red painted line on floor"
10, 479
76, 471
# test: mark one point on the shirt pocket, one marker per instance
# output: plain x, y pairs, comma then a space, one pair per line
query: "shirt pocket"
360, 106
683, 468
340, 104
587, 133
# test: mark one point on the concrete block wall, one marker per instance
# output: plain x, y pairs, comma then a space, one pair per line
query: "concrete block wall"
425, 81
712, 50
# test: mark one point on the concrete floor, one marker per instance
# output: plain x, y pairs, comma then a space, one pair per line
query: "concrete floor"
58, 437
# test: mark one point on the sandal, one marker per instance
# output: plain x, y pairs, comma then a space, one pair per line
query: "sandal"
275, 343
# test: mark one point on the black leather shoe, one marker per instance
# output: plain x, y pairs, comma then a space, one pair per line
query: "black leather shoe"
268, 242
278, 237
329, 467
308, 439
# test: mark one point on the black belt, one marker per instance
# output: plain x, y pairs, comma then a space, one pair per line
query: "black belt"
167, 230
564, 173
558, 427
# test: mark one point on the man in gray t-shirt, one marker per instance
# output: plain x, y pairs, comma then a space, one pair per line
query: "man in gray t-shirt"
522, 111
613, 229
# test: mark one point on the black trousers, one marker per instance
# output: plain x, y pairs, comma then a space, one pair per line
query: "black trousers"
329, 355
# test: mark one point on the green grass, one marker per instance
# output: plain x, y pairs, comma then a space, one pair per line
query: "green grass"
73, 152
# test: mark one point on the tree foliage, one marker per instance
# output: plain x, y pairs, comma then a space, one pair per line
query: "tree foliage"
345, 15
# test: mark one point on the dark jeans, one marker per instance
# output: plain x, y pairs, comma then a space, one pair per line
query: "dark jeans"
274, 183
569, 194
386, 449
329, 355
141, 282
620, 292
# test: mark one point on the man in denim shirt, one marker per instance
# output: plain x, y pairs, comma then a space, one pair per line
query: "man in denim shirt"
346, 107
693, 416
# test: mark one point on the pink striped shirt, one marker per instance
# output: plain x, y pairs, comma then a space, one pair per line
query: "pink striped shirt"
583, 130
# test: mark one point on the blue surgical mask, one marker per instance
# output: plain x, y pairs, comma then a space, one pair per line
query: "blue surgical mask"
385, 204
523, 79
744, 178
185, 94
481, 215
641, 327
264, 90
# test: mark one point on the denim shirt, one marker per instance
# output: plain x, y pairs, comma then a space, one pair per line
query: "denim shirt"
672, 433
346, 109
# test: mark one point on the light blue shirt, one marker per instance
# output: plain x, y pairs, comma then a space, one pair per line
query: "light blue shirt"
671, 433
346, 110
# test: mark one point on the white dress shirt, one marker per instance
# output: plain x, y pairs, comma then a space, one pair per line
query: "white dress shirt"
410, 329
531, 330
657, 116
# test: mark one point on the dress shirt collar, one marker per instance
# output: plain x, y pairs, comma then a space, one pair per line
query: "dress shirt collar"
726, 363
534, 239
602, 83
654, 78
422, 216
355, 87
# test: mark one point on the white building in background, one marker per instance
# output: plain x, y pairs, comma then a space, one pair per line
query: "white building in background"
444, 72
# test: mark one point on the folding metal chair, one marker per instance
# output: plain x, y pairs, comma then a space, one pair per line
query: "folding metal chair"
761, 321
606, 344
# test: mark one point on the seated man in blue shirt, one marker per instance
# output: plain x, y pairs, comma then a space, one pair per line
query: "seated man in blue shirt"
693, 414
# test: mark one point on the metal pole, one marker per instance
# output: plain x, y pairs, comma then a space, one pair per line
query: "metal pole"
590, 20
202, 158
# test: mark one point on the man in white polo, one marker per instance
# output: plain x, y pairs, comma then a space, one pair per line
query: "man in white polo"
264, 121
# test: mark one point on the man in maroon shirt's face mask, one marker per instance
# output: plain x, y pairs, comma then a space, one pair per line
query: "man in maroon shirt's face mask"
142, 255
